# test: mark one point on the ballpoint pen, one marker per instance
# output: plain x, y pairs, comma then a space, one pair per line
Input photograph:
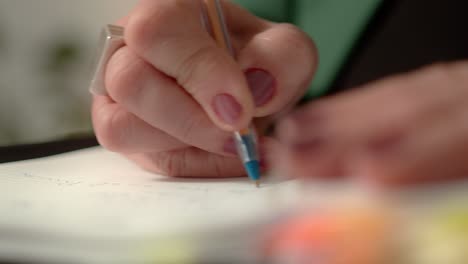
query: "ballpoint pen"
246, 139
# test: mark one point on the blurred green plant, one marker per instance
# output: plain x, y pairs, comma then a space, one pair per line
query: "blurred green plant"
61, 56
62, 66
59, 73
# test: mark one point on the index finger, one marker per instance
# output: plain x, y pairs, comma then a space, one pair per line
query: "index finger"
169, 34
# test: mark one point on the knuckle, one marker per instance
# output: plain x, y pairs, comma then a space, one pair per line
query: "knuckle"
459, 71
112, 126
200, 63
462, 66
448, 72
124, 74
451, 75
169, 163
302, 48
143, 27
436, 70
150, 23
190, 126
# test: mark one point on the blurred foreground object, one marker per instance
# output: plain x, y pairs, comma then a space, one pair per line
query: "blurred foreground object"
440, 237
332, 236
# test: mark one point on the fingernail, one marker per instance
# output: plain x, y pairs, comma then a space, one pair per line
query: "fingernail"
230, 147
262, 85
227, 108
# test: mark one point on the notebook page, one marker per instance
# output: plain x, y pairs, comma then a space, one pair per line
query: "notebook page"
95, 193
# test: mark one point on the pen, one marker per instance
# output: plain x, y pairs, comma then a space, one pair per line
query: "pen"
246, 139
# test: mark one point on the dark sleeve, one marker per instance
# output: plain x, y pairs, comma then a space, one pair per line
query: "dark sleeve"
405, 35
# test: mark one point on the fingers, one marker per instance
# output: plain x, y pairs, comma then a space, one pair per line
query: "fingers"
400, 130
171, 37
121, 131
161, 102
172, 82
434, 147
189, 162
435, 150
193, 162
279, 64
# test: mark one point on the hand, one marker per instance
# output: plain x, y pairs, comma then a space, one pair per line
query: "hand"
175, 97
404, 129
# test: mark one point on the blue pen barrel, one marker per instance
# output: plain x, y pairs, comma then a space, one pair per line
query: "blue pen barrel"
246, 143
253, 169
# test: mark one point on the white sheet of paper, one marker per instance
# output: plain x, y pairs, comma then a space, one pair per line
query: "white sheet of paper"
96, 194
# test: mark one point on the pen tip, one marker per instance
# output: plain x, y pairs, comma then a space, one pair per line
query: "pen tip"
257, 183
253, 169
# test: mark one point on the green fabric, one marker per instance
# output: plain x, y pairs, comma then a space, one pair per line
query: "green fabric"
274, 10
335, 25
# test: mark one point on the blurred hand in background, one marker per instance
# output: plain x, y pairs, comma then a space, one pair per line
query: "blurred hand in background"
409, 128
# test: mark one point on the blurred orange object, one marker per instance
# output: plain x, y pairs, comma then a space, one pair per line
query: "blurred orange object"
351, 236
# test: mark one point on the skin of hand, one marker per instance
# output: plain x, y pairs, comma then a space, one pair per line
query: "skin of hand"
405, 129
175, 97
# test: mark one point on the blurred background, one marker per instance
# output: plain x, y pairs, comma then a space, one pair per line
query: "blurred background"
46, 56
